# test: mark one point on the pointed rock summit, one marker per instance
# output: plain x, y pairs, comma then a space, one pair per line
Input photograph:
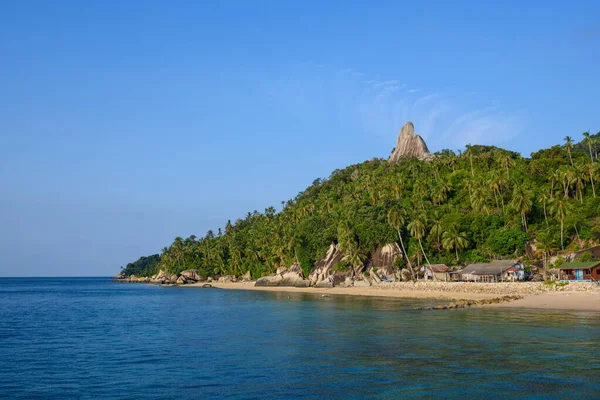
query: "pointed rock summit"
410, 145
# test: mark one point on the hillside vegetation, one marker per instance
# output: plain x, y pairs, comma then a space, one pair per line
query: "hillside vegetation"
480, 204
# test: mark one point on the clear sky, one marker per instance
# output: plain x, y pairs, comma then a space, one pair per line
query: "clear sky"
126, 123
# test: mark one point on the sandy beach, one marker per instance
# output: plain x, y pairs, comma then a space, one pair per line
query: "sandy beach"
563, 301
553, 300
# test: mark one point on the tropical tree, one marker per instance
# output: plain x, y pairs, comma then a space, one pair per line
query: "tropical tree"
507, 163
588, 140
417, 230
521, 202
569, 146
454, 240
396, 220
545, 243
560, 208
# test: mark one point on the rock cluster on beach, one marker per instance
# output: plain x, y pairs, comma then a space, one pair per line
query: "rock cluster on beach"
410, 145
186, 277
473, 303
292, 277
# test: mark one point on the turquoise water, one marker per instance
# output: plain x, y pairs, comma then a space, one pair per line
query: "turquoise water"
90, 338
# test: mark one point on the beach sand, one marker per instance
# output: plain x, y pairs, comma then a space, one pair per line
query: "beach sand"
563, 301
372, 291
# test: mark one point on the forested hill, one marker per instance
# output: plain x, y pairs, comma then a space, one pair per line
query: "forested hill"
476, 205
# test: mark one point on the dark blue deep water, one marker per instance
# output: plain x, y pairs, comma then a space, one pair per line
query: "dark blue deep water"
90, 338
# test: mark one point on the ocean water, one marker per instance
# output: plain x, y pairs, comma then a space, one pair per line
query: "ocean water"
88, 338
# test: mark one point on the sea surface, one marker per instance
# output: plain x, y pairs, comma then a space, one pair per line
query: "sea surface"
90, 338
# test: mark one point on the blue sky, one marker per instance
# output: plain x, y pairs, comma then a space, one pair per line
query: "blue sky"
126, 123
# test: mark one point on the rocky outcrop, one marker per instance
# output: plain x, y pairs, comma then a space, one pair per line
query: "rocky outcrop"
135, 279
292, 276
324, 272
410, 145
383, 260
191, 274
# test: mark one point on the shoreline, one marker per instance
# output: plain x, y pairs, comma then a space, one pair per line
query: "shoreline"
563, 300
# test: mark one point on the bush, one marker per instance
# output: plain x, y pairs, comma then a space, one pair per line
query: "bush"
507, 242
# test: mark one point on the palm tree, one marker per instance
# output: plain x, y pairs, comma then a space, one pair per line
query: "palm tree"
507, 162
436, 228
470, 154
453, 240
544, 198
569, 146
521, 202
580, 172
560, 209
397, 221
546, 245
588, 139
417, 230
590, 169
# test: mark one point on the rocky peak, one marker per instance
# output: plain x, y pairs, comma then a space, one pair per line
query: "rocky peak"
410, 145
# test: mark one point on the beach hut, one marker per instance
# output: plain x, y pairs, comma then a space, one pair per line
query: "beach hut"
436, 272
495, 271
580, 271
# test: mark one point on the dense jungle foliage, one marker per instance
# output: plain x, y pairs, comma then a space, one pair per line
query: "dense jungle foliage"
144, 266
480, 204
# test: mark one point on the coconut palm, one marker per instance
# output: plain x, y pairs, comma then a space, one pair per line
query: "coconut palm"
507, 163
436, 230
470, 154
560, 209
417, 230
545, 244
454, 240
588, 139
589, 168
543, 198
521, 202
397, 221
569, 146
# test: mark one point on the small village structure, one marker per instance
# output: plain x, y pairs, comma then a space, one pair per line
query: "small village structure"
580, 271
495, 271
436, 272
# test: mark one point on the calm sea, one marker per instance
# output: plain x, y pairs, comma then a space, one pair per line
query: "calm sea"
91, 338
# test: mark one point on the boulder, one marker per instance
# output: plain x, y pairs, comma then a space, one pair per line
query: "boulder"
209, 279
181, 280
247, 277
406, 275
191, 274
225, 279
324, 269
410, 145
292, 276
383, 260
362, 283
173, 278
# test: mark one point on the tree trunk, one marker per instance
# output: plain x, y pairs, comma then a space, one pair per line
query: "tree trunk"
562, 242
425, 255
545, 215
412, 272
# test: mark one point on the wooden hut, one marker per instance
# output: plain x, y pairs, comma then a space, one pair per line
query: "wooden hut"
436, 272
495, 271
580, 271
